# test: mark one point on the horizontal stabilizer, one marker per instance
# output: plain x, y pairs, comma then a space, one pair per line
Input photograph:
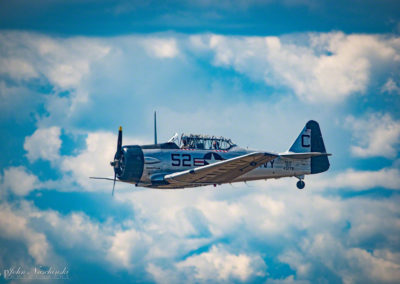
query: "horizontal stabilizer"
306, 155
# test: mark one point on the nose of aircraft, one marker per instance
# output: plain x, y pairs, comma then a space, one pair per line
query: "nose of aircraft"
128, 162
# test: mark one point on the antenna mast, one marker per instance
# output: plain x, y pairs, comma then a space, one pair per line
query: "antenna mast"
155, 127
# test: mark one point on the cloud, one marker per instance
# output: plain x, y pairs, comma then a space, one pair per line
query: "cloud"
65, 64
279, 217
377, 135
16, 227
218, 264
43, 230
44, 143
161, 47
230, 234
19, 181
17, 68
390, 87
352, 265
95, 159
288, 280
386, 178
318, 67
352, 179
128, 247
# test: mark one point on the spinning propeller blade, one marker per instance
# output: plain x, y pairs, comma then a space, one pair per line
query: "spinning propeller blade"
119, 142
117, 157
115, 177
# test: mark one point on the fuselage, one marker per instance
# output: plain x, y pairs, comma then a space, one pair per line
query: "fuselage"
159, 161
199, 160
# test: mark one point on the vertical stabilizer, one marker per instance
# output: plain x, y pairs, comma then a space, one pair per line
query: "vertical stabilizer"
303, 142
310, 140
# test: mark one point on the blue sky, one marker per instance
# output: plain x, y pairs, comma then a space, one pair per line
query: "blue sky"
71, 72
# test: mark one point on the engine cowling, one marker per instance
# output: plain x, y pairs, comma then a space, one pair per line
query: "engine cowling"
129, 164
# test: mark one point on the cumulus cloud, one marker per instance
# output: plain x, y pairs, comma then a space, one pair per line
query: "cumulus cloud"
64, 63
352, 265
376, 135
161, 47
386, 178
234, 232
17, 68
95, 159
357, 180
16, 227
280, 216
325, 67
19, 181
128, 247
218, 264
43, 230
177, 235
44, 144
390, 87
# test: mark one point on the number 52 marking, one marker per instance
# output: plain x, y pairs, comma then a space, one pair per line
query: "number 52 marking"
181, 159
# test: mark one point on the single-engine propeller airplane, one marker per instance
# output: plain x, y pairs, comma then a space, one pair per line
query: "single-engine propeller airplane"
199, 160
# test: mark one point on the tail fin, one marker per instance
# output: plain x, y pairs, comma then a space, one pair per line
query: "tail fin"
310, 140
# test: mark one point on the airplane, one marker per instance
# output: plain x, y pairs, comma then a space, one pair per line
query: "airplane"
199, 160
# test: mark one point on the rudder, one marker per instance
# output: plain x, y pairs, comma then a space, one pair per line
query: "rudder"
318, 164
310, 140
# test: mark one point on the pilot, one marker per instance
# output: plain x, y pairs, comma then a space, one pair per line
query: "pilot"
184, 144
215, 145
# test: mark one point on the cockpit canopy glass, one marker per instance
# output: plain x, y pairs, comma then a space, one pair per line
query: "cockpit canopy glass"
204, 142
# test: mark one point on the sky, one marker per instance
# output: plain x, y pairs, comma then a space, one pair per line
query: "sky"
72, 72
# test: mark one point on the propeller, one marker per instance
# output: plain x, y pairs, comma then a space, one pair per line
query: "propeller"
116, 163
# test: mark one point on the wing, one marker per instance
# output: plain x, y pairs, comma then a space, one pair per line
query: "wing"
220, 172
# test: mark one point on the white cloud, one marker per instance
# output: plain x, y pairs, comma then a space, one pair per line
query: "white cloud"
19, 181
376, 135
167, 226
305, 228
44, 144
17, 68
64, 63
390, 87
161, 47
325, 67
353, 265
127, 247
218, 264
352, 179
288, 280
15, 227
42, 230
95, 159
386, 178
161, 275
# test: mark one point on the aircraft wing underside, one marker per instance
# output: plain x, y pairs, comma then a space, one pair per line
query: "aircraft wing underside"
218, 173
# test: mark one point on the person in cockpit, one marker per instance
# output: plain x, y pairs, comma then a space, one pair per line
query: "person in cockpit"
215, 145
185, 144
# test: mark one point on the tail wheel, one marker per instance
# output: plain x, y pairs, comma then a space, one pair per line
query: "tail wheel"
300, 184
